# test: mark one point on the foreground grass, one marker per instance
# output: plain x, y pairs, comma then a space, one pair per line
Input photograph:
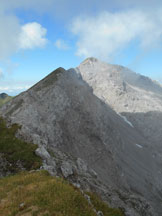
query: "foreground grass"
38, 194
16, 151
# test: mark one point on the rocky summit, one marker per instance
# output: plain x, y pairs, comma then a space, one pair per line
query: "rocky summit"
99, 126
136, 97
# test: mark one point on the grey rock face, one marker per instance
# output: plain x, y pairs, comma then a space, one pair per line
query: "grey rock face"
136, 97
66, 169
86, 141
82, 166
42, 152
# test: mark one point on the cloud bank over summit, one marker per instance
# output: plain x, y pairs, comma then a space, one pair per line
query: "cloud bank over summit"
108, 33
101, 30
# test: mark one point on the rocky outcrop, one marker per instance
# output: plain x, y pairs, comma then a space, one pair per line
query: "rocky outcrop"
83, 139
4, 164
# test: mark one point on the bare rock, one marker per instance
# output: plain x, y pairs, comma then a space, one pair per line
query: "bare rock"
66, 169
43, 153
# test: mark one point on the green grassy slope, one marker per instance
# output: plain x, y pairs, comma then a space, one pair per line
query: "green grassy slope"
16, 151
38, 194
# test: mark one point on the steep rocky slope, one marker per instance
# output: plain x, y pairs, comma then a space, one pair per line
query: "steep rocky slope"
90, 144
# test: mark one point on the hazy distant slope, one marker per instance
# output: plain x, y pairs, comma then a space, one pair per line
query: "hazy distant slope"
4, 98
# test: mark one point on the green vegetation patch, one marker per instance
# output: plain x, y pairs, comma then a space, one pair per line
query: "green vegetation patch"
41, 194
38, 194
16, 151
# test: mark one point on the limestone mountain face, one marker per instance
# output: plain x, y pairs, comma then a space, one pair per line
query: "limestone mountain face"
134, 96
82, 138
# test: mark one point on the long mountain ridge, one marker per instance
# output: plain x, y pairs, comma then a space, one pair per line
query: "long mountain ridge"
86, 120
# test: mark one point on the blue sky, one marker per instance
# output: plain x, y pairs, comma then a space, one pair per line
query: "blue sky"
39, 36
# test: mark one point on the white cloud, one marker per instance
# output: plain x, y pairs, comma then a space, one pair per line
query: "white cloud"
13, 88
61, 44
10, 30
1, 73
15, 36
104, 35
32, 35
38, 5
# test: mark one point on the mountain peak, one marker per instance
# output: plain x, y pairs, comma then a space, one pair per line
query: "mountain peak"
90, 60
50, 79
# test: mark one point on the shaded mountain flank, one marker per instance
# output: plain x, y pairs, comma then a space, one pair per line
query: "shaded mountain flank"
78, 118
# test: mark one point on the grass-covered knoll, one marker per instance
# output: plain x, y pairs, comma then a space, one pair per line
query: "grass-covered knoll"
16, 151
4, 100
38, 194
